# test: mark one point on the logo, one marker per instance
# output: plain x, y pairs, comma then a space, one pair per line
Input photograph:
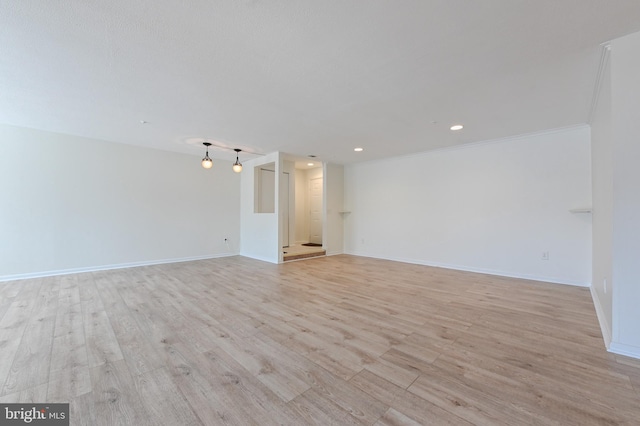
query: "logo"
34, 414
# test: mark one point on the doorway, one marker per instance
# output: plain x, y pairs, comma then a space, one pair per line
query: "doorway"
284, 215
308, 209
315, 211
307, 212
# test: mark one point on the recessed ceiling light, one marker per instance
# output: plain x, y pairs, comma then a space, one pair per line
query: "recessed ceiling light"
457, 127
358, 149
309, 164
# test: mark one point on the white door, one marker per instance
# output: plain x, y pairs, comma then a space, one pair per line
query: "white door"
315, 207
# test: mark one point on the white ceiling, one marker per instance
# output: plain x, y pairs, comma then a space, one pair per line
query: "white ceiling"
303, 76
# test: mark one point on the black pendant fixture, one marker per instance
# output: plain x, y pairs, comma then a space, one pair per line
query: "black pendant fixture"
207, 162
237, 166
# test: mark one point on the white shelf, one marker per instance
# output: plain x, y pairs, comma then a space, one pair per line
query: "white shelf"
581, 210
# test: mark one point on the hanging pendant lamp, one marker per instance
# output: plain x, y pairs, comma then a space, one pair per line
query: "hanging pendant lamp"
237, 166
207, 162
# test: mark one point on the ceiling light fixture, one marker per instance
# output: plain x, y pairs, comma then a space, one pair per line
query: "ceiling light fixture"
457, 127
309, 164
207, 162
358, 149
237, 166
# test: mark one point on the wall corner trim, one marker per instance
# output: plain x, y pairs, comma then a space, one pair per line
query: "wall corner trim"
604, 59
626, 350
602, 318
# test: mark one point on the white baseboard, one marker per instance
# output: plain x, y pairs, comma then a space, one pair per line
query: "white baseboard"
626, 350
261, 258
602, 318
108, 267
552, 280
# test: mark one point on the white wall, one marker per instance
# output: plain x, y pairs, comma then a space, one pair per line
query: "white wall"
333, 203
602, 187
259, 236
625, 113
492, 207
71, 203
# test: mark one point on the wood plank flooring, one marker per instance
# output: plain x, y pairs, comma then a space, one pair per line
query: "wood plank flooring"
297, 252
334, 340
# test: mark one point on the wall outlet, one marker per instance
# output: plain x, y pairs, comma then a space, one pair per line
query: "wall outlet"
545, 255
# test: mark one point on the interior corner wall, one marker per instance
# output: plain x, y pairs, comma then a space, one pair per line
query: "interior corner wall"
75, 204
602, 189
625, 117
493, 207
259, 235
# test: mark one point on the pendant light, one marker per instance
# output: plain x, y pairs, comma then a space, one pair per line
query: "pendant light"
237, 166
207, 162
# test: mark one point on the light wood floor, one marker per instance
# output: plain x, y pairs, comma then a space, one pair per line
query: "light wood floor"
298, 251
333, 340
